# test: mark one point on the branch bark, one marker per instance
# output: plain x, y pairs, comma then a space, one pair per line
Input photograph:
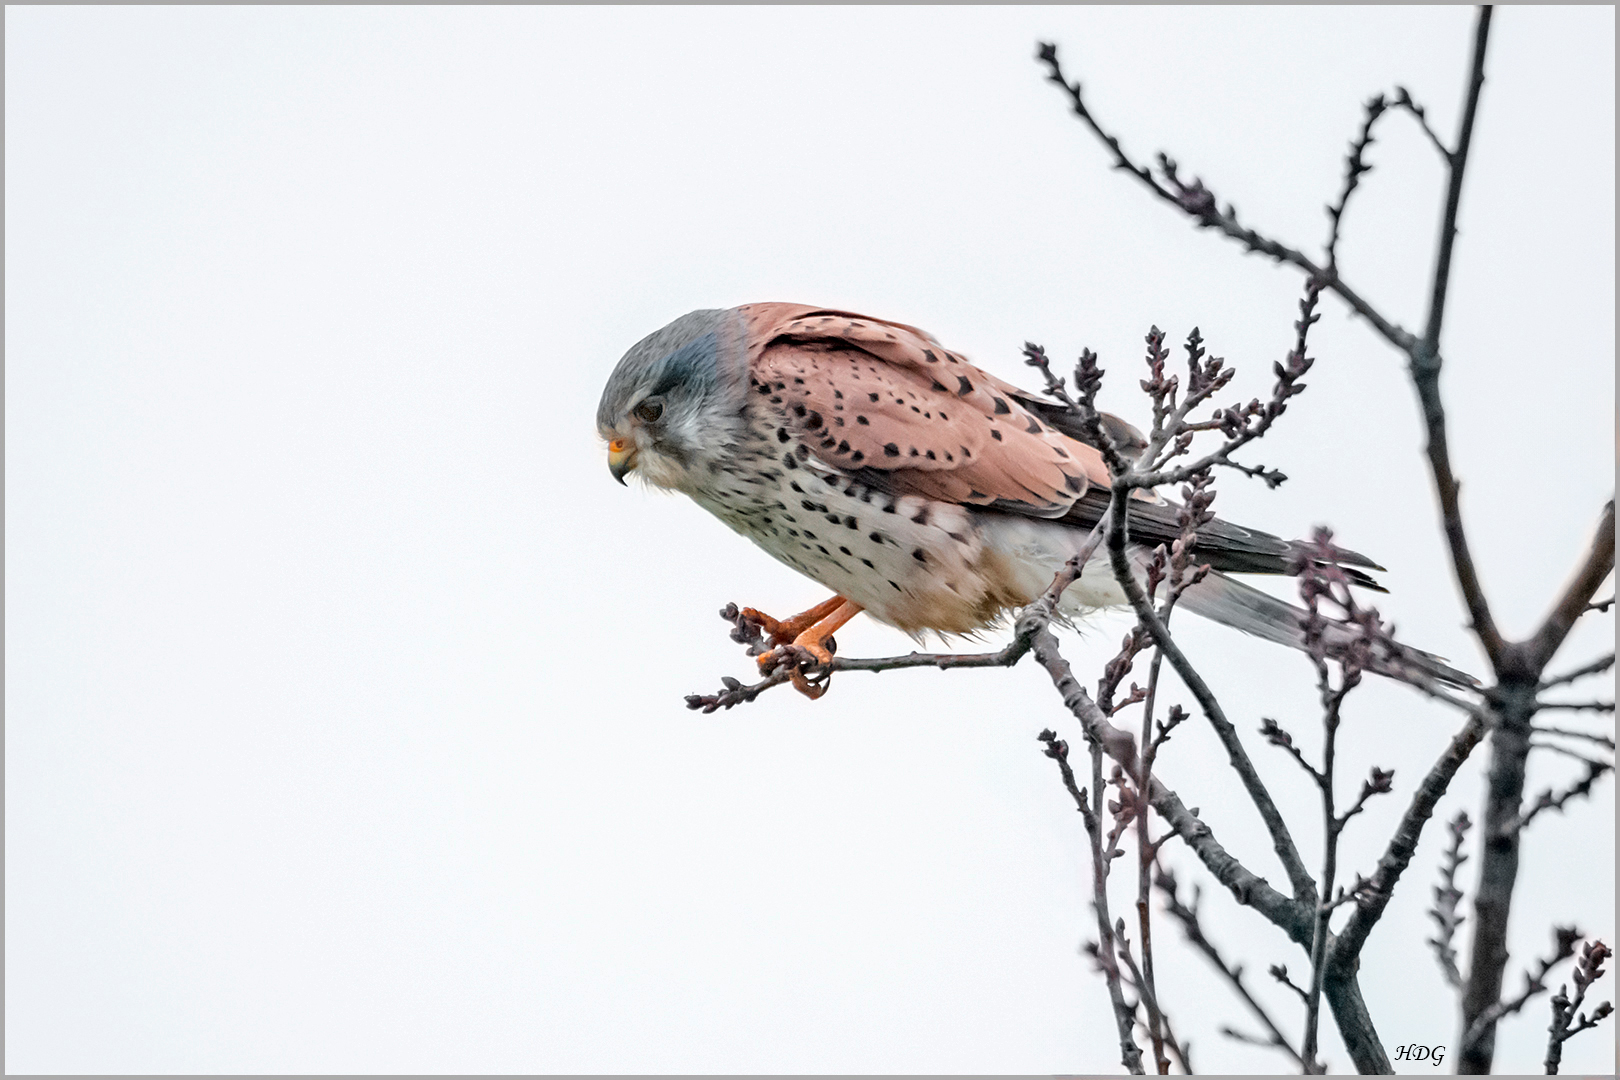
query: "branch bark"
1499, 870
1575, 601
1402, 846
1426, 364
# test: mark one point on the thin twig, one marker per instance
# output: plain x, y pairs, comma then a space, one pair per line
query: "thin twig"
1282, 842
1181, 1049
1332, 704
1179, 568
1426, 363
1586, 736
1241, 426
1378, 782
1555, 800
1576, 755
1188, 917
1596, 667
1199, 202
1567, 1020
1124, 1015
1144, 991
1279, 972
736, 693
1403, 844
1564, 940
1275, 734
1354, 169
1403, 100
1246, 887
1447, 898
1090, 807
1570, 606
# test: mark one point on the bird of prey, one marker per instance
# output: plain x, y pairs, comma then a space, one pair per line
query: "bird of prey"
917, 487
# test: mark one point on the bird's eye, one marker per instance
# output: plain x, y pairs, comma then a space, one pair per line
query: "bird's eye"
650, 411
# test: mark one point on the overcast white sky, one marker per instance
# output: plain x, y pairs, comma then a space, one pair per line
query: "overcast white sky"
344, 687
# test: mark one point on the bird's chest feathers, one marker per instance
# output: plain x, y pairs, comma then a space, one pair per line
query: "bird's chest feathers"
912, 562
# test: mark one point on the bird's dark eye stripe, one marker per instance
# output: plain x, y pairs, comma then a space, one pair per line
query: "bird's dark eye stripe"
650, 410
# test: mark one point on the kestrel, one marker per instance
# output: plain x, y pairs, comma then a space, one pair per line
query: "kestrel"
917, 487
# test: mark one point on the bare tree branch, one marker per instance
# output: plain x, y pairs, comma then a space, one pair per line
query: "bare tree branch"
1378, 782
1596, 667
1101, 857
1403, 100
1597, 565
1518, 666
1315, 583
1565, 939
748, 633
1199, 203
1279, 974
1586, 736
1146, 850
1354, 169
1575, 706
1403, 844
1182, 1049
1447, 897
1188, 917
1277, 736
1241, 426
1555, 800
1426, 364
1457, 160
1514, 706
1156, 1020
1248, 888
1282, 842
1566, 1023
1574, 754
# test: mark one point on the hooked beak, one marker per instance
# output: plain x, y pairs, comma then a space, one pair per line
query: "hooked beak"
621, 458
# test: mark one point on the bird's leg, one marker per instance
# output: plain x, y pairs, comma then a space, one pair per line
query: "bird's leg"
812, 639
815, 641
810, 631
783, 632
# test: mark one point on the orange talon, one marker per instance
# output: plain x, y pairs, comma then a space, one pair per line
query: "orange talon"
811, 631
814, 641
811, 690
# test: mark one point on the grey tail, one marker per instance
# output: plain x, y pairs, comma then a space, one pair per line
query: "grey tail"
1242, 607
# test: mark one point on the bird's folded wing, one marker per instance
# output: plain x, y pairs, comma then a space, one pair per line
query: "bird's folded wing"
883, 398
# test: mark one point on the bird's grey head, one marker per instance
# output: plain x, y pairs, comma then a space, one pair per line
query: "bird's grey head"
676, 398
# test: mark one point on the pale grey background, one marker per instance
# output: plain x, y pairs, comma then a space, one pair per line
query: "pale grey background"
344, 719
